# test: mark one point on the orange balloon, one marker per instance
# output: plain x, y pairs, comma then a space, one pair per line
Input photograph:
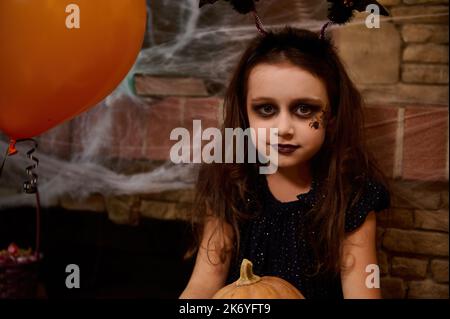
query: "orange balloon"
58, 58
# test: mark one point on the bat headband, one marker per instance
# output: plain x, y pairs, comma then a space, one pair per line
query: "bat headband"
342, 11
339, 11
242, 7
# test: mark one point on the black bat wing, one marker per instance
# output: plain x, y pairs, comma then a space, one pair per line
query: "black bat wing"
339, 12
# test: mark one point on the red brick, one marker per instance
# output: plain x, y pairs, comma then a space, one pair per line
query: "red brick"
431, 220
425, 143
416, 242
393, 288
409, 268
439, 269
383, 262
129, 129
402, 93
56, 142
396, 218
427, 289
147, 85
380, 130
419, 195
204, 109
421, 13
163, 117
121, 126
84, 128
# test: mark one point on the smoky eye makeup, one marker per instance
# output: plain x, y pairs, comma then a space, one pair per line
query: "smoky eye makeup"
300, 110
264, 109
306, 110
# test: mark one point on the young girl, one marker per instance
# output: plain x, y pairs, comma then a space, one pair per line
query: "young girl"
311, 222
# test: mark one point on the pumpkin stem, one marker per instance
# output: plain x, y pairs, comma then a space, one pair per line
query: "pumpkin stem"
247, 276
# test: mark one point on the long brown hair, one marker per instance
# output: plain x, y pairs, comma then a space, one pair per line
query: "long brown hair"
225, 190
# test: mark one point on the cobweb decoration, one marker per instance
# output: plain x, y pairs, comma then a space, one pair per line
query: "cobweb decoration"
182, 41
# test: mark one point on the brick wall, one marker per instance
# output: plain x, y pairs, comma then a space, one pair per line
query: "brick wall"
402, 71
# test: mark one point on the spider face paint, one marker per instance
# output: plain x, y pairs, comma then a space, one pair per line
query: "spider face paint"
314, 124
317, 121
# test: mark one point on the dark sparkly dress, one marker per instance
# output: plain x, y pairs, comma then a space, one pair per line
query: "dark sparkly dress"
276, 240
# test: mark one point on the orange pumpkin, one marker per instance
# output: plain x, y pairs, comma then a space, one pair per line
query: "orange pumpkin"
251, 286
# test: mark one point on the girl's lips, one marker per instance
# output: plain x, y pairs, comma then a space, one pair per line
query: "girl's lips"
285, 148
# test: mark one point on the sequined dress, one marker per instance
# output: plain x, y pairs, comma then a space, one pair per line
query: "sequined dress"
276, 240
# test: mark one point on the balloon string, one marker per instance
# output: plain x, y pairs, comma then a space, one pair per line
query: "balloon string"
38, 225
31, 186
3, 162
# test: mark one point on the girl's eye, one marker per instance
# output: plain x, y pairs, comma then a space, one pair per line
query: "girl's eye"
265, 110
304, 110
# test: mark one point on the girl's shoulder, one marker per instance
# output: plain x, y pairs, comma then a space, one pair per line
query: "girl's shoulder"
370, 195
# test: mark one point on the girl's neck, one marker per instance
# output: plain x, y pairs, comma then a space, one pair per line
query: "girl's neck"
288, 182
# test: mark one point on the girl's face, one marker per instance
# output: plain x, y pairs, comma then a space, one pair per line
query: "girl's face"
288, 98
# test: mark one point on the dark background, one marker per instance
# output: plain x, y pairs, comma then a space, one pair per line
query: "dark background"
115, 261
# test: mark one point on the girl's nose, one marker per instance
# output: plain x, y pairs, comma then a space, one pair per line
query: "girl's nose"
285, 125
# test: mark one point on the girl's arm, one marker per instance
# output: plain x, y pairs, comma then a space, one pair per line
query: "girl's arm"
210, 275
359, 251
